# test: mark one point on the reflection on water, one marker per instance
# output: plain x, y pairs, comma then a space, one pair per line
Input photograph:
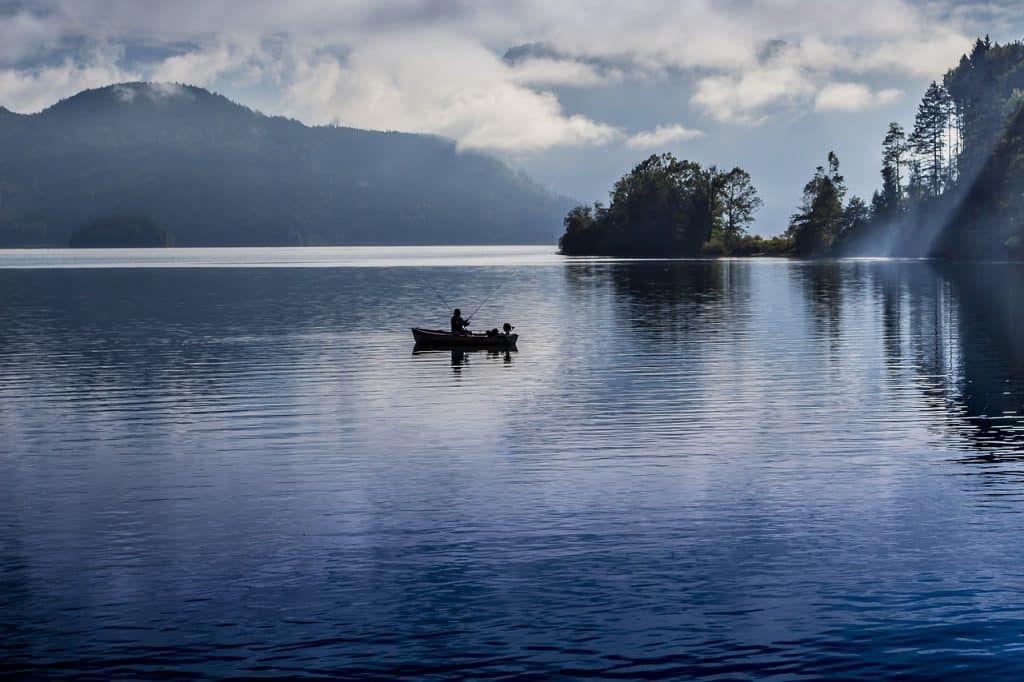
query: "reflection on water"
462, 356
689, 469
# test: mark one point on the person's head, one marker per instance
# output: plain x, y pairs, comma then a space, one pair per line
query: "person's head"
457, 312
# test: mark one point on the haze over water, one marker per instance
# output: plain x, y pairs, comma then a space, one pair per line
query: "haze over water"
231, 462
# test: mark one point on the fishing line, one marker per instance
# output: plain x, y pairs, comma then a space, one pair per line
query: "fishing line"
493, 291
443, 299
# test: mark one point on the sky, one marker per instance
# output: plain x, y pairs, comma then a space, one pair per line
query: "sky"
572, 93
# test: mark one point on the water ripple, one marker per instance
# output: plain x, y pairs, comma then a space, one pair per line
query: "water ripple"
694, 469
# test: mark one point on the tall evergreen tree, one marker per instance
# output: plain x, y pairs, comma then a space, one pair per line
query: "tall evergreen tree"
887, 203
855, 216
894, 151
929, 137
966, 145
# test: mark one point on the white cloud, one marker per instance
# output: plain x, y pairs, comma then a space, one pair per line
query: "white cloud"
31, 90
129, 92
661, 136
125, 93
437, 84
426, 66
543, 71
197, 68
743, 98
852, 97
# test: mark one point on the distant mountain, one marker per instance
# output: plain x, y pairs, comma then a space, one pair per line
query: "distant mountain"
217, 173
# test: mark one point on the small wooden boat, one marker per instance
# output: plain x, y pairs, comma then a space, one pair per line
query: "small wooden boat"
436, 338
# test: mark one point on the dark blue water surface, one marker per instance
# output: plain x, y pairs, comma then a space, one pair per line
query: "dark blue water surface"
728, 469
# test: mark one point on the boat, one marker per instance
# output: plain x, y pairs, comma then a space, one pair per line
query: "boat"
437, 338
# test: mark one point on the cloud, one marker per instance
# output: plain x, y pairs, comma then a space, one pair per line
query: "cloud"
439, 84
566, 72
429, 66
656, 33
661, 137
797, 76
852, 97
24, 34
129, 92
34, 89
201, 68
125, 93
743, 98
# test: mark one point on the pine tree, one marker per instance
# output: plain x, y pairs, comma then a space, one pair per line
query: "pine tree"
929, 137
894, 151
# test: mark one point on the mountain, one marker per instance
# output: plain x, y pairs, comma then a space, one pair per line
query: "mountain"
216, 173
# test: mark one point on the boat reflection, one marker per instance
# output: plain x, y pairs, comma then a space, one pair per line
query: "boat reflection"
461, 356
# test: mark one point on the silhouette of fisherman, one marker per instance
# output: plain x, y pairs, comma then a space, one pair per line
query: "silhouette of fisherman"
458, 324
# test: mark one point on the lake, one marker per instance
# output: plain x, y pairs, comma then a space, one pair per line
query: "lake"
230, 462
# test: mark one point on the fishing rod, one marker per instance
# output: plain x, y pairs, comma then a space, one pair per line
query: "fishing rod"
450, 307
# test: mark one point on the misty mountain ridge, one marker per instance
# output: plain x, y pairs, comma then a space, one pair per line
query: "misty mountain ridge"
215, 172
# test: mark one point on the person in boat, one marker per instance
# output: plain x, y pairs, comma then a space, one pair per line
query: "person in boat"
458, 324
506, 330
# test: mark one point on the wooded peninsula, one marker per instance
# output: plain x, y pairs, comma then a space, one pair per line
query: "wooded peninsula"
952, 187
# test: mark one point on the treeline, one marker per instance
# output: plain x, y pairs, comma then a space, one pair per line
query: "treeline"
953, 183
952, 186
121, 232
669, 207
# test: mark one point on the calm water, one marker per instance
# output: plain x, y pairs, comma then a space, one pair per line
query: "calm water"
690, 469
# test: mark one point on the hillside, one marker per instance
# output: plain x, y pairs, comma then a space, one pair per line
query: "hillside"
217, 173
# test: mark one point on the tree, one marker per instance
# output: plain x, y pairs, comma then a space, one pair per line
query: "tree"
652, 207
664, 206
894, 151
889, 201
702, 189
929, 137
855, 216
578, 223
854, 225
953, 187
739, 203
816, 225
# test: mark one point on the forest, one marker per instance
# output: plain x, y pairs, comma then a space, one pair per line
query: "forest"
952, 186
121, 232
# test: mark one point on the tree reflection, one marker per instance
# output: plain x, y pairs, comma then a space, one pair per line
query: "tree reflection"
956, 326
823, 286
989, 321
667, 299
